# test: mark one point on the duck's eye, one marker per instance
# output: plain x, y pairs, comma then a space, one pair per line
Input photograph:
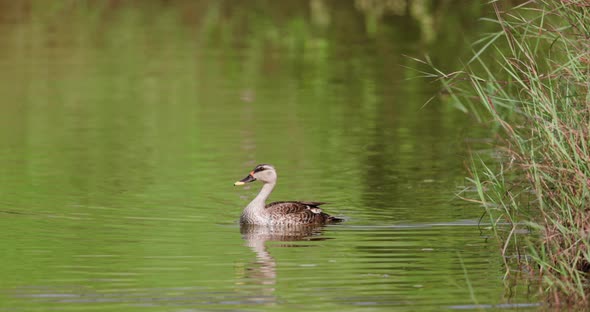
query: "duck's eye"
258, 169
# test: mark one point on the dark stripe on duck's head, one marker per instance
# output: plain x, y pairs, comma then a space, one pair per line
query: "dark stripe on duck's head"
262, 167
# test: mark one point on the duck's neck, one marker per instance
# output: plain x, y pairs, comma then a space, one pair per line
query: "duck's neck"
256, 206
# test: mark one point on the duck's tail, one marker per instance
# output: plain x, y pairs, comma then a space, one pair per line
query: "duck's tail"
332, 219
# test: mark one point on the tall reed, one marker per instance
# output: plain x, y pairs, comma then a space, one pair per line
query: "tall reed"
532, 78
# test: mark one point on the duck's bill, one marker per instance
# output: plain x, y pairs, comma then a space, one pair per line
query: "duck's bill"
247, 179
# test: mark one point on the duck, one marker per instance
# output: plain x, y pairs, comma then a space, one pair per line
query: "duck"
281, 212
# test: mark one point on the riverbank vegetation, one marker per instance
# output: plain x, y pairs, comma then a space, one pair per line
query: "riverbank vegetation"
532, 79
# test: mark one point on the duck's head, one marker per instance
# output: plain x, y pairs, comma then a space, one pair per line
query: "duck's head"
264, 172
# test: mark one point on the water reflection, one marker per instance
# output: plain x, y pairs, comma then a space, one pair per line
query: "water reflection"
125, 120
263, 270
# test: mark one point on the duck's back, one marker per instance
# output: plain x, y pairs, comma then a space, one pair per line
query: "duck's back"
298, 212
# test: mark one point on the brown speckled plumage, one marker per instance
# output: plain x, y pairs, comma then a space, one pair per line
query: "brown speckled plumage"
298, 212
282, 212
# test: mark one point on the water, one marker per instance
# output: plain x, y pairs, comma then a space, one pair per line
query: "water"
124, 126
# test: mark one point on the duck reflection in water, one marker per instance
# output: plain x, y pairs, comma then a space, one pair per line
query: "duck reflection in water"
263, 270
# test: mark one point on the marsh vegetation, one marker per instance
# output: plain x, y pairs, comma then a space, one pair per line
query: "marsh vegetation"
530, 81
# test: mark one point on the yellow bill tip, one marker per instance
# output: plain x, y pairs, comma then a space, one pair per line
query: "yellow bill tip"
239, 183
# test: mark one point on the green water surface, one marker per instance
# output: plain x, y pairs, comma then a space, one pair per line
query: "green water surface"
123, 125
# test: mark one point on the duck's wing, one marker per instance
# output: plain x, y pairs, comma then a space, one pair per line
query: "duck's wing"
297, 212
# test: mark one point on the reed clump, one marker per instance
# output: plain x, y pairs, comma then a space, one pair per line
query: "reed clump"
532, 79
